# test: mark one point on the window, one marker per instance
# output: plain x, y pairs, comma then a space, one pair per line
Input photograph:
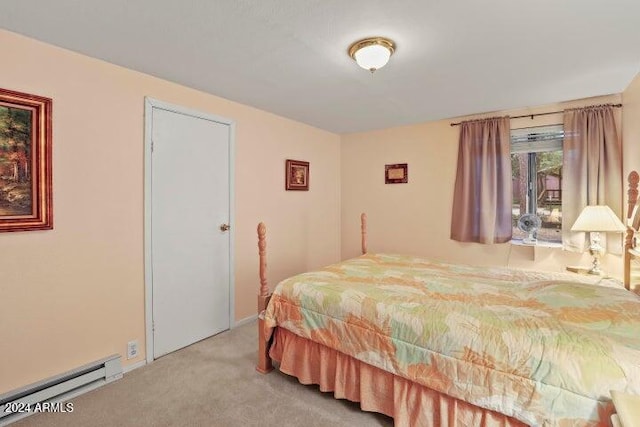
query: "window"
536, 165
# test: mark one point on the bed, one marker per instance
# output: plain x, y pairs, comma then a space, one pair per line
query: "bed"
430, 343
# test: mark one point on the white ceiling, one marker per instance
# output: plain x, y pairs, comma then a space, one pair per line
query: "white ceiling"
453, 57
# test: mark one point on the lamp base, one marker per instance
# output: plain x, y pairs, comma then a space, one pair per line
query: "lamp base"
596, 252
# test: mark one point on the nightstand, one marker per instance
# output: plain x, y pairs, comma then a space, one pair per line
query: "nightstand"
627, 409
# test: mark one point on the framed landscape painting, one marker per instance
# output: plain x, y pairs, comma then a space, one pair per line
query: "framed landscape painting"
25, 162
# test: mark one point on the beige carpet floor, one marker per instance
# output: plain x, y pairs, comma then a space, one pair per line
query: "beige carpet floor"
210, 383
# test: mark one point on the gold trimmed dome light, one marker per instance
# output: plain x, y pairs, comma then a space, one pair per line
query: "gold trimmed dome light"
372, 53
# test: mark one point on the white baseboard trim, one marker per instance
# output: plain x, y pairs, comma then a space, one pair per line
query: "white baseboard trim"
246, 320
129, 368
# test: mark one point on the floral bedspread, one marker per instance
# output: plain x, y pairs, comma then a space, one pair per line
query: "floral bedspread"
544, 348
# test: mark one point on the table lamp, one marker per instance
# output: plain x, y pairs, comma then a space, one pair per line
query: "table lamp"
594, 220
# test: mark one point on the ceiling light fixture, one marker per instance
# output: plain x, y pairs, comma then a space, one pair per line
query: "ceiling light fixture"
372, 53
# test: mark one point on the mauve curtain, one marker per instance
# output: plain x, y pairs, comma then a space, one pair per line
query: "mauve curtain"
592, 170
482, 197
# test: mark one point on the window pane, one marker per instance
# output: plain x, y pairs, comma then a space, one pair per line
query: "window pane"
548, 193
520, 173
549, 197
536, 164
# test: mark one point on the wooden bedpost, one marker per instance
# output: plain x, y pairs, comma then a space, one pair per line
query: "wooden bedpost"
363, 231
262, 252
632, 194
264, 361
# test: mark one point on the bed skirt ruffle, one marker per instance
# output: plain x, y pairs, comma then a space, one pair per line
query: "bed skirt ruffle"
408, 403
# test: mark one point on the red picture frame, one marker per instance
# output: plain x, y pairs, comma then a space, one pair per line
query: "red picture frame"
25, 162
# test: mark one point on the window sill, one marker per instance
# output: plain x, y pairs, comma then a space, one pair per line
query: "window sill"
539, 243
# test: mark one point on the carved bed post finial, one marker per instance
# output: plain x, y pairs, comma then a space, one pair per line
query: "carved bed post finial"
632, 192
363, 231
262, 251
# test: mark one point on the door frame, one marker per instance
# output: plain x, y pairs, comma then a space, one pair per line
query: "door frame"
149, 105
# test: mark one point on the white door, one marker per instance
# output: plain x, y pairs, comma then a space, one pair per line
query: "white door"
190, 253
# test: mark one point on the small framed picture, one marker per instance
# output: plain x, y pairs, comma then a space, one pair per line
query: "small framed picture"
396, 174
297, 175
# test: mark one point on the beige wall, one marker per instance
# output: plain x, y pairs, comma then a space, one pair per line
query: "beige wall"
631, 126
76, 293
416, 217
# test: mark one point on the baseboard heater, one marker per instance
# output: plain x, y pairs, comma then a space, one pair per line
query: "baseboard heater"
20, 403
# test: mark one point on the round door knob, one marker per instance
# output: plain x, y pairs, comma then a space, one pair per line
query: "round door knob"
225, 227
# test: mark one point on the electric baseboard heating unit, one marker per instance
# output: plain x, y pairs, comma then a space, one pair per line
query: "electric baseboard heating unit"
27, 400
